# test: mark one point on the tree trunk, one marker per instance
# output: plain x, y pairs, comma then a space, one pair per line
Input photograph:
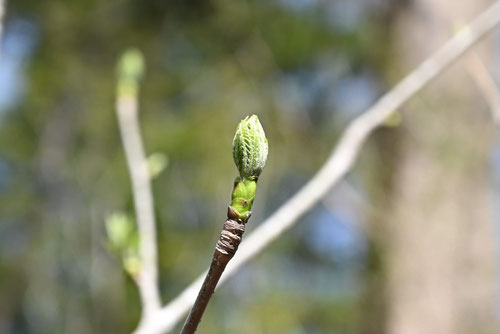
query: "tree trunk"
440, 252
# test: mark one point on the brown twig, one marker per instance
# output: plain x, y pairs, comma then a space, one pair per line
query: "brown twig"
250, 150
225, 249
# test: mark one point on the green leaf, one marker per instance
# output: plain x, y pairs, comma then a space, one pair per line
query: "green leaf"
130, 69
121, 231
157, 162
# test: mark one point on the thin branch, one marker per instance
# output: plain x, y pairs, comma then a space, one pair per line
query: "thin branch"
337, 165
250, 154
147, 280
485, 83
227, 245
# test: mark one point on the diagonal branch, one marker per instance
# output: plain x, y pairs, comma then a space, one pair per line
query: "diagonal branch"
147, 279
337, 166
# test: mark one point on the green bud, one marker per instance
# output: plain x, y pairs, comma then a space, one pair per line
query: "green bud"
120, 229
132, 264
131, 65
242, 197
157, 162
250, 148
130, 69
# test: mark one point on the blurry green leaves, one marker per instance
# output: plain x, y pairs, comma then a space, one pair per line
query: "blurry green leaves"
304, 38
124, 241
121, 229
394, 120
157, 163
130, 69
250, 148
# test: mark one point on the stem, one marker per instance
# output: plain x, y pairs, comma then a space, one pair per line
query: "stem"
147, 279
130, 69
225, 249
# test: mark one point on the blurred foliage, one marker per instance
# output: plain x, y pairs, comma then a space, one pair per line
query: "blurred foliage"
124, 240
157, 163
305, 67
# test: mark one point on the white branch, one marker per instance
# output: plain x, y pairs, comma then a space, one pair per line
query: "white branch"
147, 280
336, 167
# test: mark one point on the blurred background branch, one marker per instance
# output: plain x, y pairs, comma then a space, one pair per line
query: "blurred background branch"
130, 71
337, 165
485, 84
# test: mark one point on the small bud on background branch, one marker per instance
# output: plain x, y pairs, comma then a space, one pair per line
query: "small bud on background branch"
130, 69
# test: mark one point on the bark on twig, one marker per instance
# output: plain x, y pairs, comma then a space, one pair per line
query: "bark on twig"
225, 249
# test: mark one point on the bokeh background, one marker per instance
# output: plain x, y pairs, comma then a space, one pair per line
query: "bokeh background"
407, 243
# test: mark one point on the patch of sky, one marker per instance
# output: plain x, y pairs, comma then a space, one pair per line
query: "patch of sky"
352, 95
346, 15
333, 233
13, 240
17, 44
182, 56
298, 5
342, 16
4, 175
325, 88
289, 95
495, 163
289, 275
300, 91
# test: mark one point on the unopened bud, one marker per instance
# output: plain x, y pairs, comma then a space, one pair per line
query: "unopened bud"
250, 147
130, 70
